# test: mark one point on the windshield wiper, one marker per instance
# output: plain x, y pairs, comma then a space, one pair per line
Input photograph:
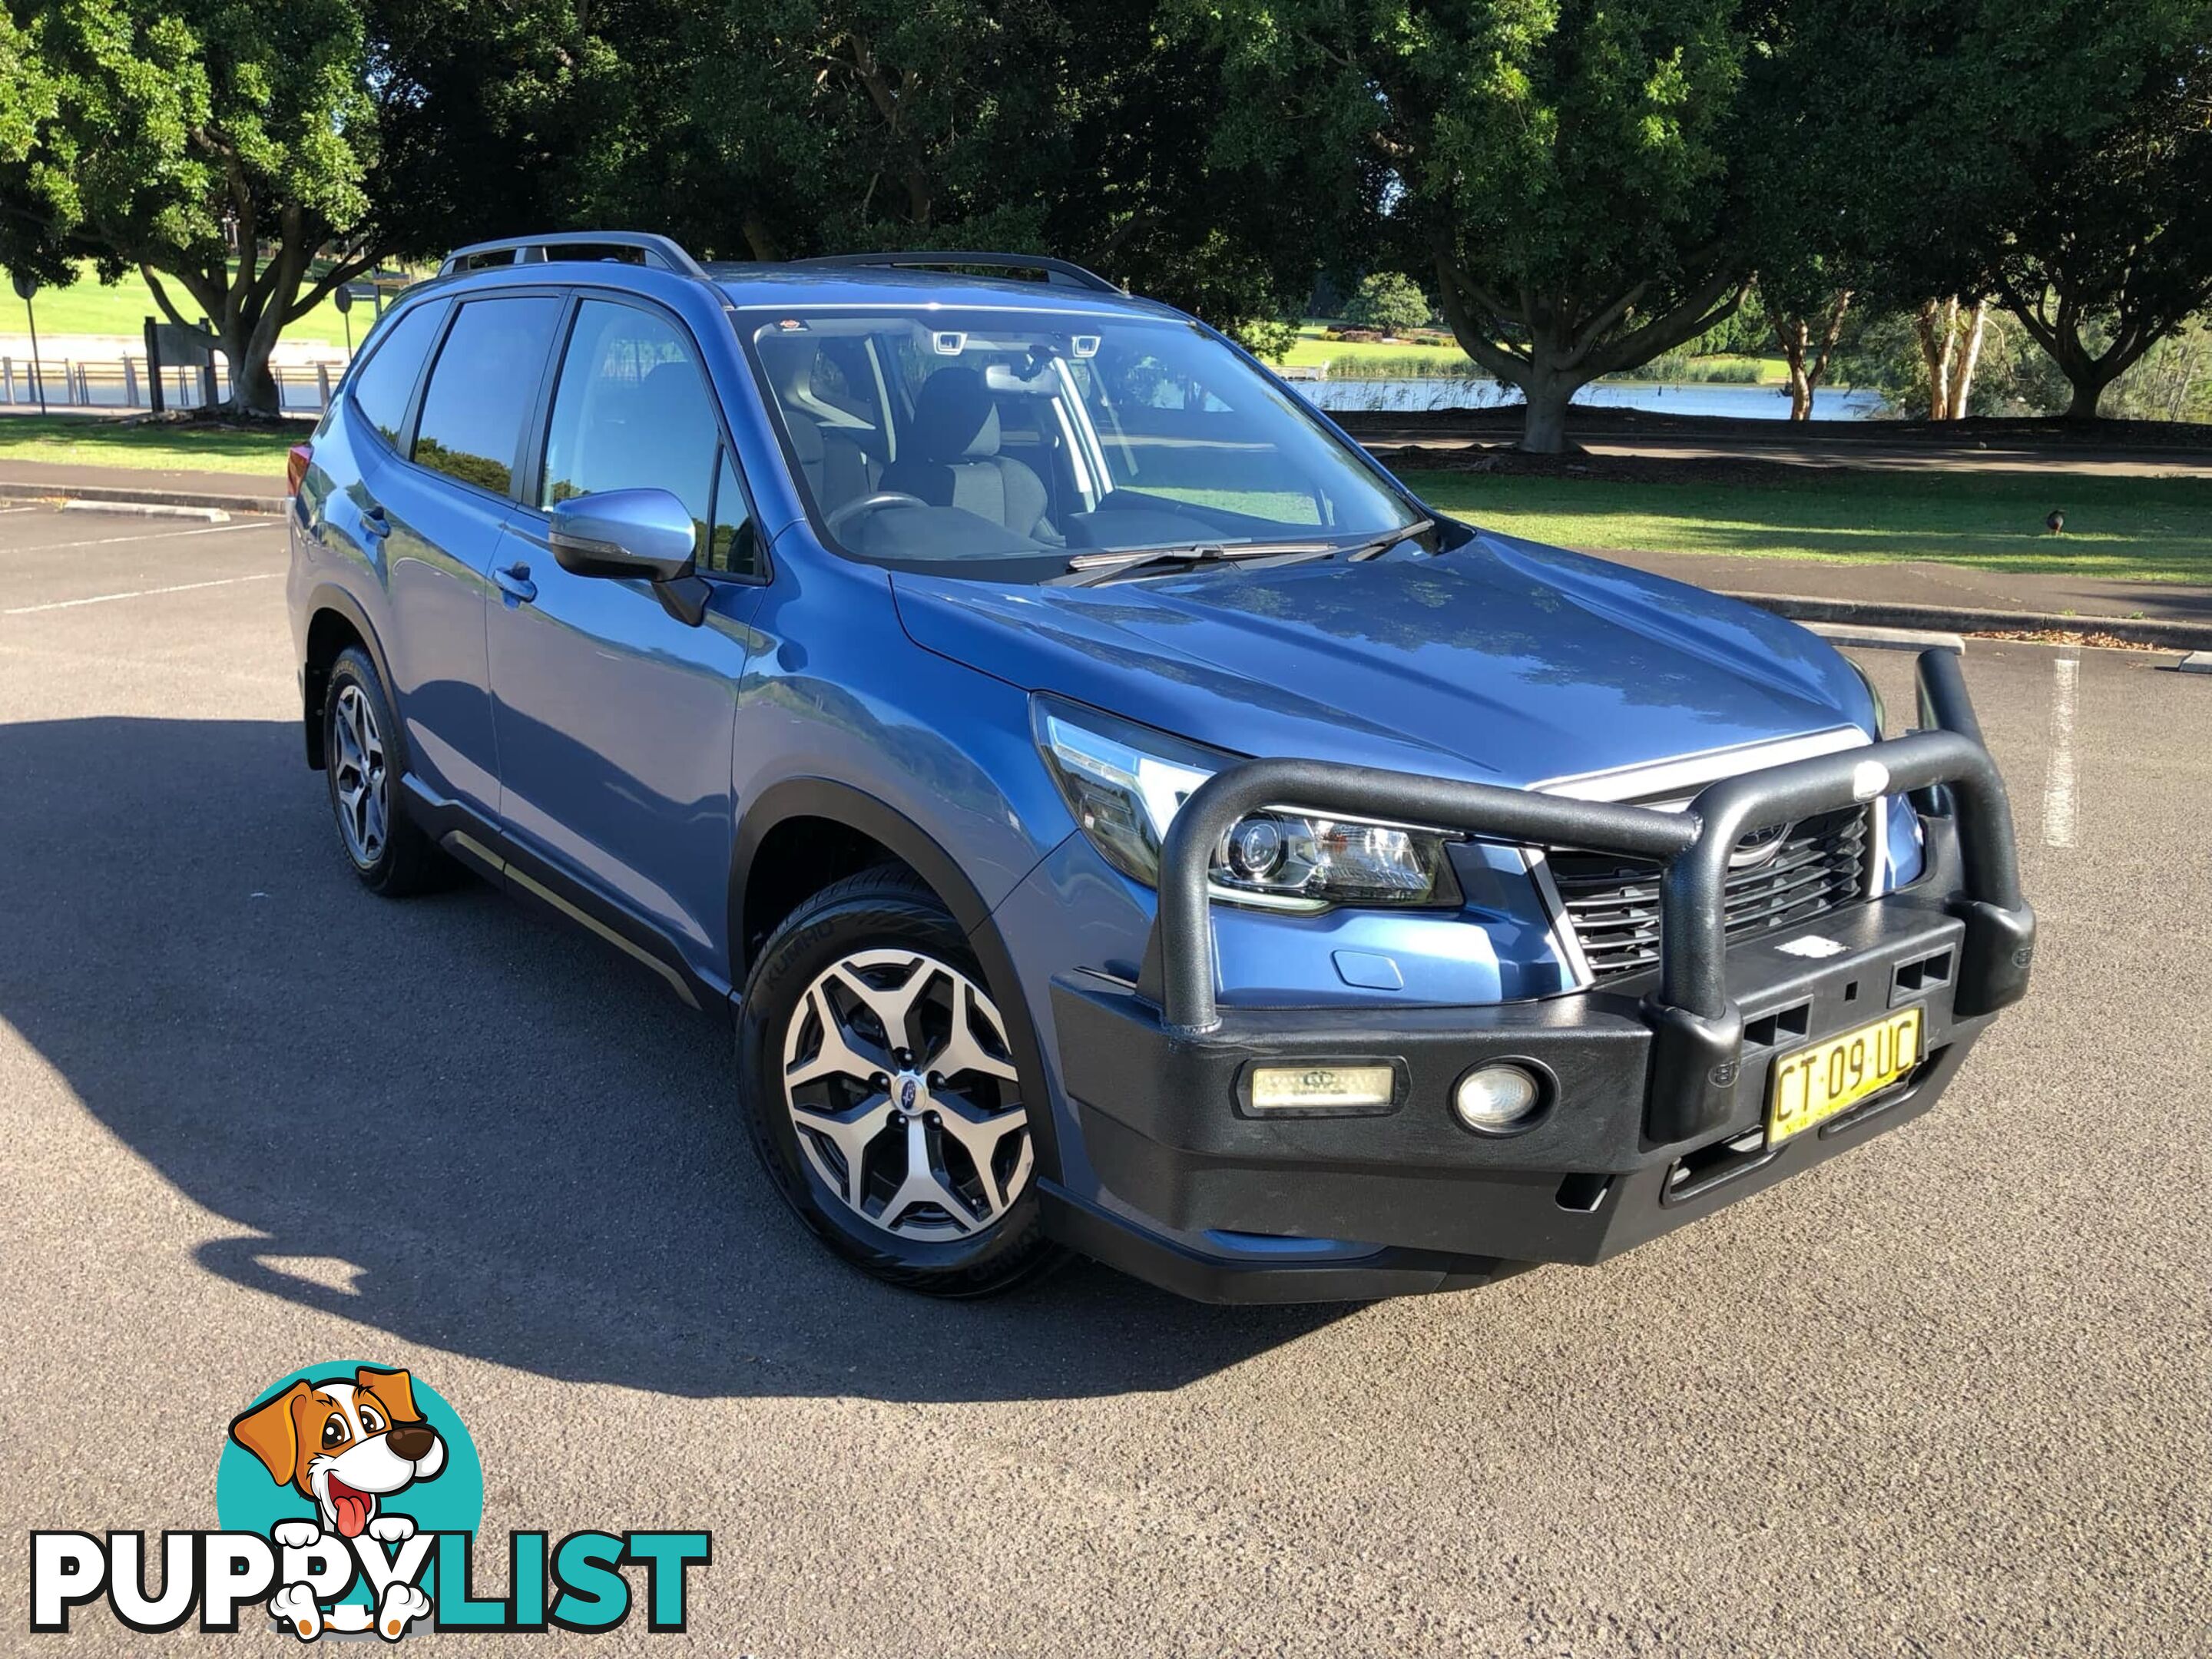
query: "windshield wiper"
1383, 544
1085, 568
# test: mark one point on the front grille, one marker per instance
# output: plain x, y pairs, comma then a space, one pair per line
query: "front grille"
1612, 902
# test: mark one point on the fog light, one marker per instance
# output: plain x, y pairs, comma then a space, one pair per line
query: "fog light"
1324, 1088
1498, 1098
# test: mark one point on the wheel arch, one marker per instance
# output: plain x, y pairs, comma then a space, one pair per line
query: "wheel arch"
798, 801
335, 621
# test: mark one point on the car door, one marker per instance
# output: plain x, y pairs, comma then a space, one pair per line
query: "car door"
614, 716
436, 519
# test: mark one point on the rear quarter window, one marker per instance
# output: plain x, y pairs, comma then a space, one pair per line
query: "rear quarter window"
383, 385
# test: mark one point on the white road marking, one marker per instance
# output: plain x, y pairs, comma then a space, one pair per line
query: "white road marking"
150, 536
141, 593
2058, 780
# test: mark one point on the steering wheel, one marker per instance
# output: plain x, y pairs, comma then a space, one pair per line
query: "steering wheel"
882, 498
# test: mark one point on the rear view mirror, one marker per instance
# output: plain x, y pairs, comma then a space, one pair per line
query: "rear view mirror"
624, 533
1002, 377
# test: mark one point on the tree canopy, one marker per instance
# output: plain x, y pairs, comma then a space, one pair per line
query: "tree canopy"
249, 155
1389, 301
1567, 170
781, 128
1584, 187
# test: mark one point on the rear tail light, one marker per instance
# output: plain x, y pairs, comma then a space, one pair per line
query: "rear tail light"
295, 468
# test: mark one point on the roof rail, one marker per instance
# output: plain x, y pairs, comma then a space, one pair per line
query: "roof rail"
1062, 271
656, 251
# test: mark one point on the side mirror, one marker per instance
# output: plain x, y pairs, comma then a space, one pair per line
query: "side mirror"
624, 533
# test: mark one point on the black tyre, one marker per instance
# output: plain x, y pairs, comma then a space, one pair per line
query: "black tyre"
364, 758
883, 1094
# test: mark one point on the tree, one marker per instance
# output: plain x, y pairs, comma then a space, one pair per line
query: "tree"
249, 155
778, 128
1807, 324
2116, 253
1951, 349
2012, 376
1568, 171
2050, 156
1389, 301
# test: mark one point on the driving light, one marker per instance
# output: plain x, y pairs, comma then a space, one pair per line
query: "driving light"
1324, 1088
1498, 1098
1125, 783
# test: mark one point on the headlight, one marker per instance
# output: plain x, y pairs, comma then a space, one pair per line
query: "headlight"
1881, 714
1124, 784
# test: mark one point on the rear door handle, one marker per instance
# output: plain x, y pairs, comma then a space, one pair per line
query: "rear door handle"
514, 580
375, 522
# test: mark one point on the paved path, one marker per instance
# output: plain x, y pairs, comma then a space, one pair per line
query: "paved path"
1930, 583
1942, 1396
29, 477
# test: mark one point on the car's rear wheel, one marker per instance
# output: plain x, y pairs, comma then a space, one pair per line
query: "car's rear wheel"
883, 1094
363, 761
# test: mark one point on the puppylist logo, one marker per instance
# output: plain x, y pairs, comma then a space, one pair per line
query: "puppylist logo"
349, 1498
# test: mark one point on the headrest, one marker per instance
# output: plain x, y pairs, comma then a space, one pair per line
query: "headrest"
955, 418
805, 437
674, 382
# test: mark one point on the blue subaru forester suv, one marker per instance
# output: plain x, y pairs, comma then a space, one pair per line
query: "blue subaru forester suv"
1114, 815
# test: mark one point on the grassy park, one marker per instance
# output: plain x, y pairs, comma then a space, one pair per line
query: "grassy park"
93, 441
2124, 529
2130, 529
90, 306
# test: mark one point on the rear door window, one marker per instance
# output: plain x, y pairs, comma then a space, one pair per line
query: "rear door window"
481, 389
385, 385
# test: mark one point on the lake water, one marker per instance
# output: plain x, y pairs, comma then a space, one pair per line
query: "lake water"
1757, 403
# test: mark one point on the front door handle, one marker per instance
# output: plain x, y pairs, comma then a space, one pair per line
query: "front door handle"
515, 581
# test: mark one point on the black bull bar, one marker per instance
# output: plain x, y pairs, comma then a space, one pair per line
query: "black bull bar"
1697, 1029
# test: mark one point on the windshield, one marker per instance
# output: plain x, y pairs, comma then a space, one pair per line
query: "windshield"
1021, 439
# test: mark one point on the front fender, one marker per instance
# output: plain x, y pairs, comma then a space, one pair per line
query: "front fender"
857, 809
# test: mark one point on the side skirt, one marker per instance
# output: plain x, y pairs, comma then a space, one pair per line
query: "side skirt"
481, 844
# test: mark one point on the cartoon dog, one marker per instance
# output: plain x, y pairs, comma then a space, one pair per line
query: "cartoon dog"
345, 1445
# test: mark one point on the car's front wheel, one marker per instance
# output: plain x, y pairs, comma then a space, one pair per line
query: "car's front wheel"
883, 1094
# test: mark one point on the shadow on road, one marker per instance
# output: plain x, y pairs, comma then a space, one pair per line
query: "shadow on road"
451, 1122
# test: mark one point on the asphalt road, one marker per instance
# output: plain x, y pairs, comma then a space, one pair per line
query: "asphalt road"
1945, 1395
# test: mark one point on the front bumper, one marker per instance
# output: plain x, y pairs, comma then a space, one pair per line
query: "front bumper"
1658, 1115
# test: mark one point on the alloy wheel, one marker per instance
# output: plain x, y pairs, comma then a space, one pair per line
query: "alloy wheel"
903, 1090
358, 780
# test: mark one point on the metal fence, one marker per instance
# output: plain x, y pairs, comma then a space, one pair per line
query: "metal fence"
121, 383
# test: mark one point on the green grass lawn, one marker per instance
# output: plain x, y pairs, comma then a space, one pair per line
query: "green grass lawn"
91, 441
1311, 348
2121, 528
89, 307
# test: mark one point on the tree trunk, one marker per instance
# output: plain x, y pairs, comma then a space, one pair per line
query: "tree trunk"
252, 386
1551, 346
1794, 335
2089, 393
1967, 359
1936, 323
1808, 361
1544, 424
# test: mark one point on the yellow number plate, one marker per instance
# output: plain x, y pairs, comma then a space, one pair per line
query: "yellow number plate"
1813, 1084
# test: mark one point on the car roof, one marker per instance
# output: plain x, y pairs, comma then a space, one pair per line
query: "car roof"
771, 286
